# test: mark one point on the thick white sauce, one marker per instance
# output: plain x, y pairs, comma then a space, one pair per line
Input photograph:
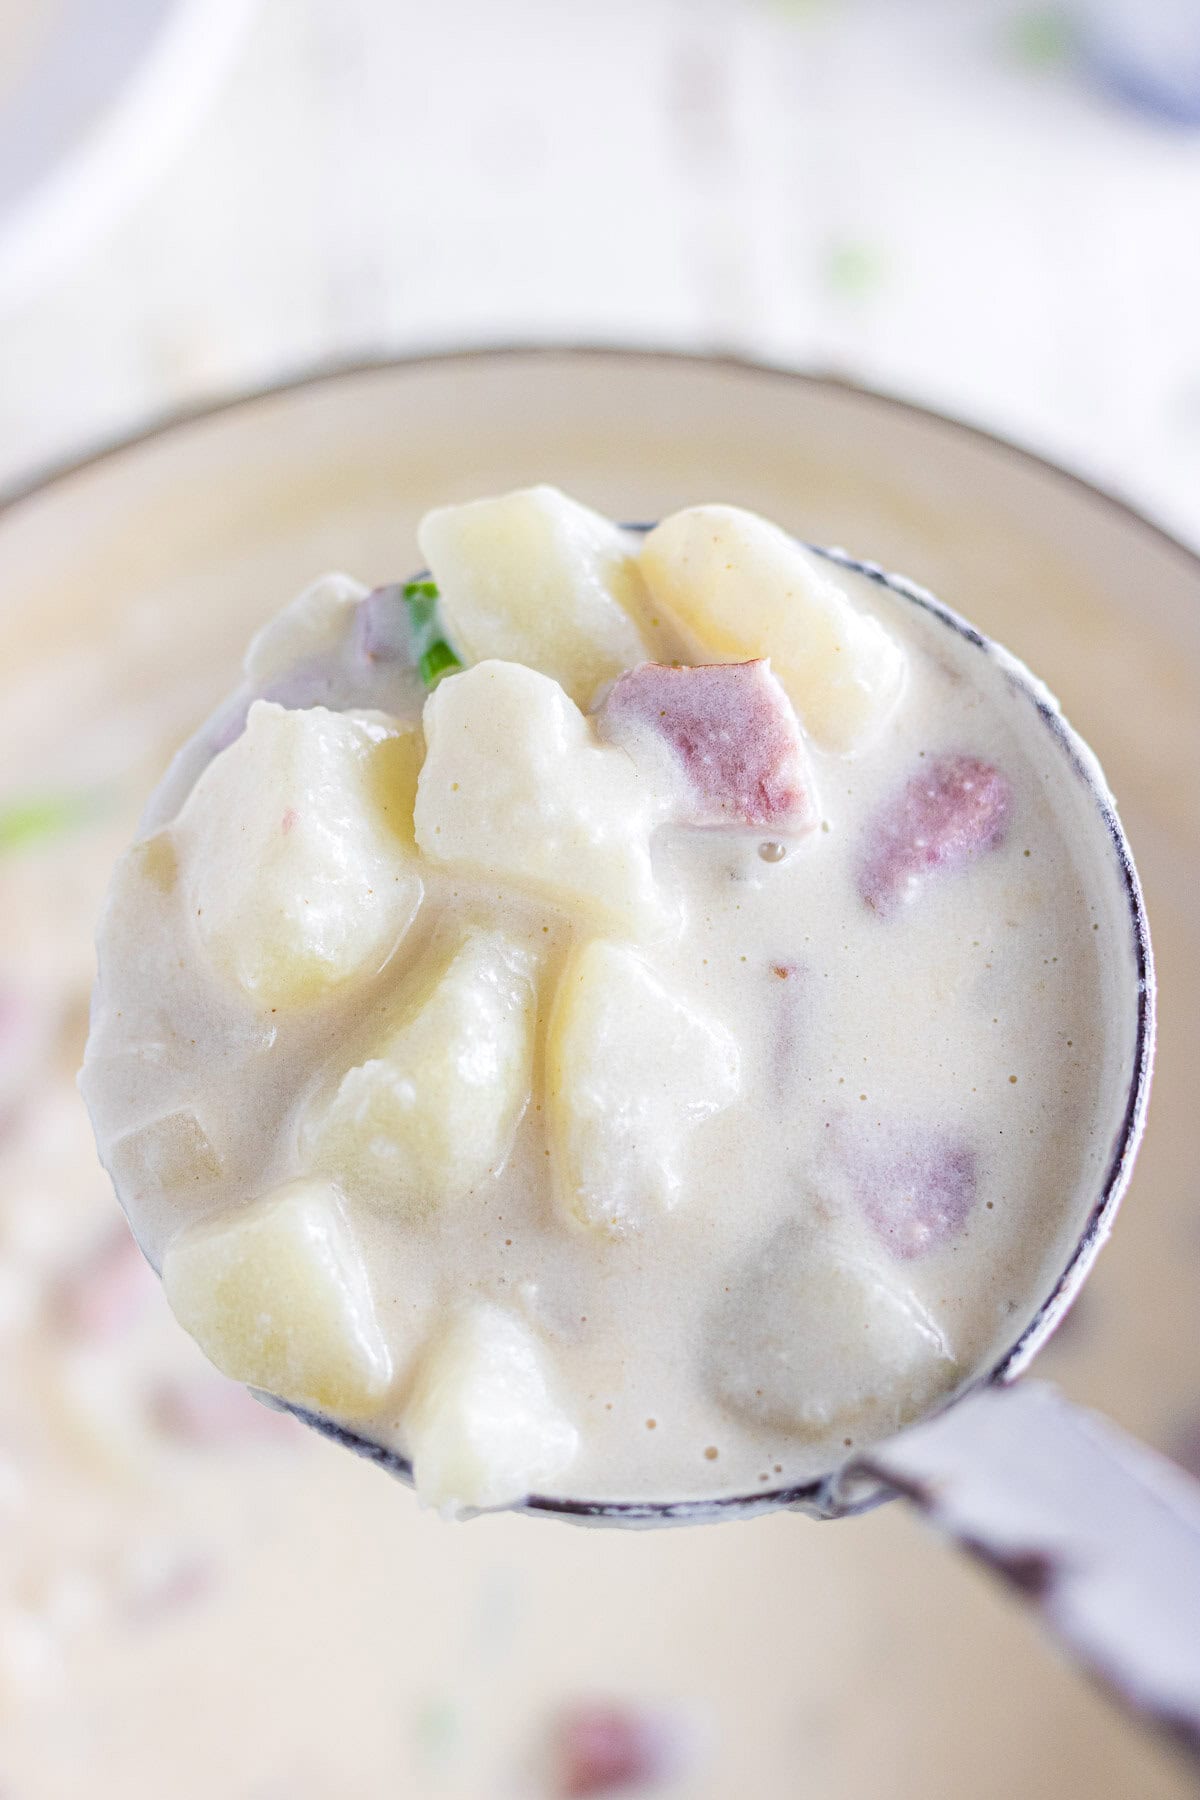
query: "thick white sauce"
921, 1107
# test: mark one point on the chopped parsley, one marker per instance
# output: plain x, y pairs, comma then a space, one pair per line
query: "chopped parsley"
435, 658
27, 822
437, 661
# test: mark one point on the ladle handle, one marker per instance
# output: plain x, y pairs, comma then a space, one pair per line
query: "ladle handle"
1097, 1532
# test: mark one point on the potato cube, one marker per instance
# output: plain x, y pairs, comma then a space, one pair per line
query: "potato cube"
434, 1111
483, 1427
170, 1153
515, 786
631, 1071
737, 587
815, 1335
295, 854
276, 1295
535, 578
310, 630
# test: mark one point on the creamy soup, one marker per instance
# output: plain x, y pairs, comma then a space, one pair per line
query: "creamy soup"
631, 1016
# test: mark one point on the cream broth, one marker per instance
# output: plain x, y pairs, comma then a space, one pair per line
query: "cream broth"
610, 1075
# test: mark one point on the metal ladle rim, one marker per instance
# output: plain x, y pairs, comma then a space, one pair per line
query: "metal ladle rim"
832, 1495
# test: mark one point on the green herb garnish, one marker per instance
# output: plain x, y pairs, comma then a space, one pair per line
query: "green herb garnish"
438, 660
421, 598
27, 822
855, 270
420, 590
1043, 38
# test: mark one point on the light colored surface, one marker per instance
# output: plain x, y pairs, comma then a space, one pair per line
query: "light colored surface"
94, 99
919, 193
824, 1659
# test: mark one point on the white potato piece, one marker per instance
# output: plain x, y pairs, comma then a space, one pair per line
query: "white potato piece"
312, 629
295, 852
534, 577
815, 1334
482, 1425
516, 787
434, 1111
170, 1153
737, 587
276, 1295
630, 1073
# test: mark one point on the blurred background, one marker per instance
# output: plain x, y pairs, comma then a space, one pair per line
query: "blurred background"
988, 208
987, 205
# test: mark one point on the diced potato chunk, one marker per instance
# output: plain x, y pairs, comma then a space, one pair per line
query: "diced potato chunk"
535, 578
737, 587
276, 1295
515, 786
295, 851
630, 1072
483, 1427
815, 1335
310, 630
434, 1111
168, 1154
157, 861
399, 760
